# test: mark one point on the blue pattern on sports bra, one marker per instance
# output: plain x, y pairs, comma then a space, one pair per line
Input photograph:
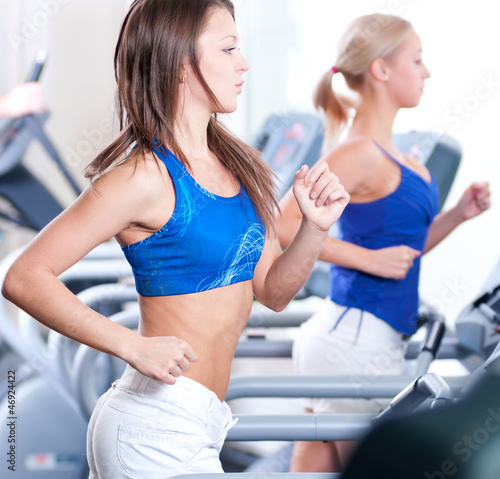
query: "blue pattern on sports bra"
401, 218
209, 242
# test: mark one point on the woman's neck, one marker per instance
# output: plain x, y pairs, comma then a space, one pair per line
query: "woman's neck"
191, 132
374, 119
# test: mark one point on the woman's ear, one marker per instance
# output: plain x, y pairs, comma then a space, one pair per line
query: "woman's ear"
182, 74
379, 70
184, 71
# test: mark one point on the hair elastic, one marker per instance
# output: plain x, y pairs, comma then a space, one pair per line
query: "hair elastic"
334, 70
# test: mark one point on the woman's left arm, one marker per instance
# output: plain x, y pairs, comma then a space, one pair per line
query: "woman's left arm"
474, 201
280, 275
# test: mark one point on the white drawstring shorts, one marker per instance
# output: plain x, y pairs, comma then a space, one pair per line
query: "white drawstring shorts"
343, 341
144, 429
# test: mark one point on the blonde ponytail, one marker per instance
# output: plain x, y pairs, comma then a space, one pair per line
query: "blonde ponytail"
335, 106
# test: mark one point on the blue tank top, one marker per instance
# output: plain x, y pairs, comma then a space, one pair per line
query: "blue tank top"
210, 241
401, 218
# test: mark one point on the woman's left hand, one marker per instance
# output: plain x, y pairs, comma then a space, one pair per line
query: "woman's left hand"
320, 195
474, 200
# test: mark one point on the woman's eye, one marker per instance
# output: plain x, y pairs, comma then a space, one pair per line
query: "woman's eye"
229, 50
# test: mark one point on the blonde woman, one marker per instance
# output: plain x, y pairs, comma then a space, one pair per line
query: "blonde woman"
391, 221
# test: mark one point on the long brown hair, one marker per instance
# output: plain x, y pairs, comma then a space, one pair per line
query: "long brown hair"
155, 37
366, 38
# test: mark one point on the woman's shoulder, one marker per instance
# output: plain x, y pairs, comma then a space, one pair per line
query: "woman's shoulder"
137, 171
358, 155
138, 180
356, 162
138, 189
359, 150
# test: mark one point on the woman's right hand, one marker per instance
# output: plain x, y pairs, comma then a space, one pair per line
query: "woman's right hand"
23, 99
392, 262
162, 357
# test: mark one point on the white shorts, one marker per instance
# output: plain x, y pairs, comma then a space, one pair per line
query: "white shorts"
343, 341
143, 428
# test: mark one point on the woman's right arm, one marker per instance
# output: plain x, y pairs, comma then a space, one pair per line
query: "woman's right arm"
32, 282
392, 262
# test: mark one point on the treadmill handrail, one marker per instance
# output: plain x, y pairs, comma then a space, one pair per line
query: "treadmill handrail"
299, 427
293, 386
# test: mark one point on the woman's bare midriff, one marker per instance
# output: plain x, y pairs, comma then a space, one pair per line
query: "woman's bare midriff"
210, 321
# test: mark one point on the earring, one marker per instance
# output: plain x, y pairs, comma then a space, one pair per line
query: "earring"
182, 81
386, 78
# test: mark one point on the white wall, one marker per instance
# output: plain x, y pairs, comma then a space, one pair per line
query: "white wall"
288, 44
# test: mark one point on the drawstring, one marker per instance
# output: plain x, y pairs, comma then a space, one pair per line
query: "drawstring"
347, 308
358, 332
359, 327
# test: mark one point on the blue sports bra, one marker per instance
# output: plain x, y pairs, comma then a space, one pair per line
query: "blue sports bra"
401, 218
210, 241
